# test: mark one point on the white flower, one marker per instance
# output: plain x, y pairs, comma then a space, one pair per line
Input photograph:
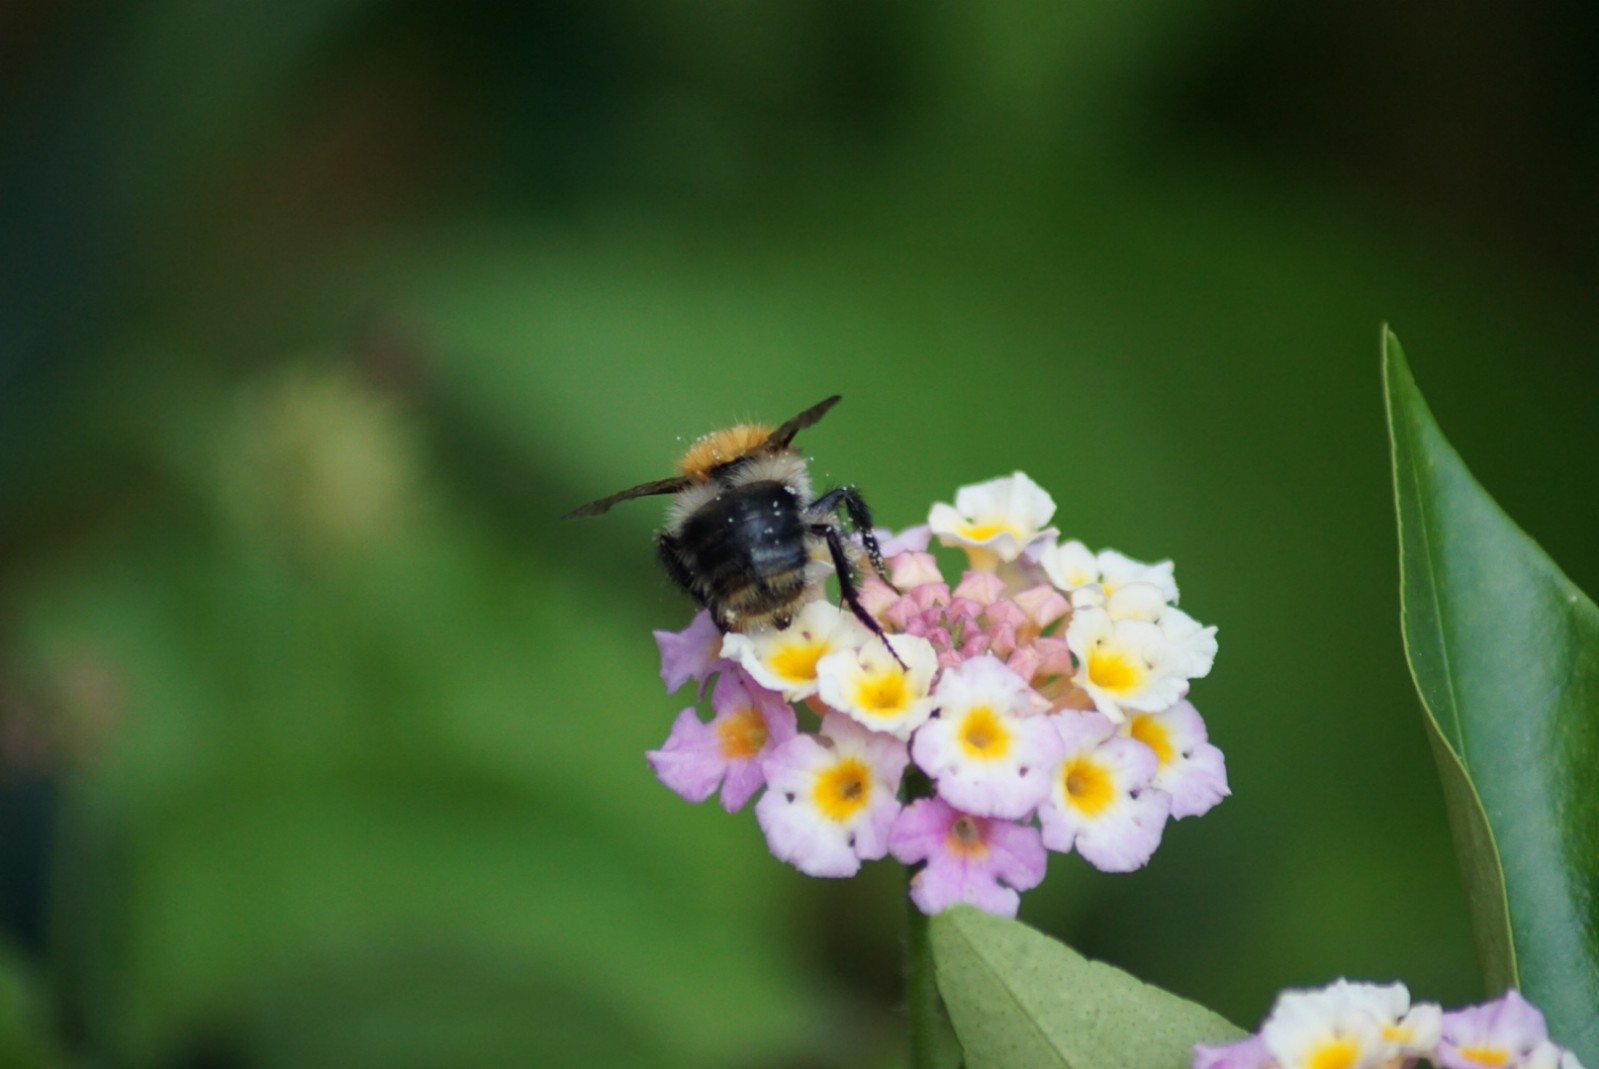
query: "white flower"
1069, 565
868, 685
1196, 643
1417, 1031
1547, 1055
831, 800
1100, 801
1339, 1025
1117, 569
1409, 1031
989, 756
785, 661
1136, 601
1091, 578
1126, 664
995, 520
1144, 601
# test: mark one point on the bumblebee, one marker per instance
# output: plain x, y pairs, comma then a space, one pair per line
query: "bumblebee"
745, 538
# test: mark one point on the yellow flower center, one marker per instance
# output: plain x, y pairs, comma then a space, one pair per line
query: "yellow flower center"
983, 735
1338, 1054
742, 735
1493, 1056
1088, 785
965, 838
1110, 669
979, 532
884, 694
1152, 733
843, 790
796, 661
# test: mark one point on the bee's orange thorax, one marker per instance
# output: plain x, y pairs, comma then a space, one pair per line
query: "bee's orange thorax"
717, 448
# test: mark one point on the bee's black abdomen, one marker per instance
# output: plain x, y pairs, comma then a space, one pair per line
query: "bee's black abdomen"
746, 550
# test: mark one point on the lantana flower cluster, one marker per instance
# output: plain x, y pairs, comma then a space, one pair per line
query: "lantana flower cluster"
1375, 1026
1039, 704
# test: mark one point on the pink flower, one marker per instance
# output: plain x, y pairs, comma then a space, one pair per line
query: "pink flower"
690, 653
1191, 770
1494, 1035
831, 800
1043, 604
876, 596
979, 860
1248, 1053
910, 540
985, 588
912, 569
750, 723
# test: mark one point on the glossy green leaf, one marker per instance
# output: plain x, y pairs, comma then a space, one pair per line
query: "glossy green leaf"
1505, 653
1021, 1000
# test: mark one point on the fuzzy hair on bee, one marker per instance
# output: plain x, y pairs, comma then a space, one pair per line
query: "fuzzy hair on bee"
744, 535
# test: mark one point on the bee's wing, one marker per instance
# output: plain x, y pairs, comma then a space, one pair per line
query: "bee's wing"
785, 434
659, 486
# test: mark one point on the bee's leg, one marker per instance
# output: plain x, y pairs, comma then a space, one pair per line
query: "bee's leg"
846, 583
860, 517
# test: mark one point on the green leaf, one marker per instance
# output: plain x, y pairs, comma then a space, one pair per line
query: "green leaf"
1505, 653
933, 1044
1019, 999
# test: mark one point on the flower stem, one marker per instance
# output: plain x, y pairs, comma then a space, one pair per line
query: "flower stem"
932, 1038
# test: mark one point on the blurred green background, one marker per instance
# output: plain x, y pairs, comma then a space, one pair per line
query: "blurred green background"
321, 737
